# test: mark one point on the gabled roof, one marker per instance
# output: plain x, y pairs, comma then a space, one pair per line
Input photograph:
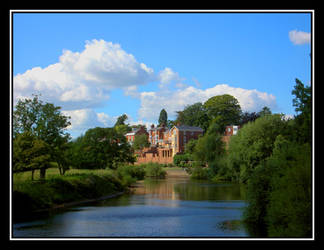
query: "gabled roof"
188, 128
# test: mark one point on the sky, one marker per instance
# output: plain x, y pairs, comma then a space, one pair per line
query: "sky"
98, 66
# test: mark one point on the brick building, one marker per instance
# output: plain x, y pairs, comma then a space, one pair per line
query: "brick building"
130, 136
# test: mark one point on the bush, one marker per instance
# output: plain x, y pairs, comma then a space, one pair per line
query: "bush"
289, 212
135, 171
279, 192
154, 170
199, 173
181, 160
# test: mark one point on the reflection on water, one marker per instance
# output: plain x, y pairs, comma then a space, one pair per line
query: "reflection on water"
172, 207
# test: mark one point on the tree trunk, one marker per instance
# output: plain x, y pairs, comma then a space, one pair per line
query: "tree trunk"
42, 173
32, 174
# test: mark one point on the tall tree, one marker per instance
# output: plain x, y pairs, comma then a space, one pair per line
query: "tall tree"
265, 111
121, 120
101, 148
303, 107
43, 121
194, 115
163, 118
226, 107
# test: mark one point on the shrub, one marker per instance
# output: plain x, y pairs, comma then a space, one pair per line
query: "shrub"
199, 173
154, 170
181, 160
135, 171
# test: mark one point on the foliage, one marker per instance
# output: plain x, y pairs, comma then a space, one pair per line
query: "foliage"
265, 111
101, 148
29, 153
254, 143
163, 118
289, 213
190, 146
42, 126
209, 147
194, 115
182, 160
303, 106
121, 120
31, 196
199, 173
134, 171
122, 129
225, 107
154, 170
140, 142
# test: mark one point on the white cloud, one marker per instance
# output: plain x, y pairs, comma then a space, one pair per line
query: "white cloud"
83, 119
84, 79
167, 76
299, 37
153, 102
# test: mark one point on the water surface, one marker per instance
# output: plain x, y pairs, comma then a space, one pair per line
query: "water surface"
173, 207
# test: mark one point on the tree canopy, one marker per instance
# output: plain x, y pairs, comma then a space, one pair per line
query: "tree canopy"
43, 126
163, 118
226, 107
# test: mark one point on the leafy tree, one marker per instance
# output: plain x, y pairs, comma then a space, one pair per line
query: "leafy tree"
30, 153
226, 107
163, 118
190, 146
254, 143
45, 122
122, 129
303, 107
210, 147
265, 111
121, 120
100, 148
140, 142
248, 117
194, 115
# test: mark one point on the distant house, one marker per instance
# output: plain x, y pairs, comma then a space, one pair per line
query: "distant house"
179, 136
157, 135
230, 130
130, 136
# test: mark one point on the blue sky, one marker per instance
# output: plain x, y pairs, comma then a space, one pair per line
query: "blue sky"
97, 66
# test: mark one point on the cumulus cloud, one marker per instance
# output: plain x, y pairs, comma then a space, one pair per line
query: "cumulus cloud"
83, 119
153, 102
299, 37
84, 79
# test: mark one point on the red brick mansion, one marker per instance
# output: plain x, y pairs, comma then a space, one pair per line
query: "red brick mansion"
165, 142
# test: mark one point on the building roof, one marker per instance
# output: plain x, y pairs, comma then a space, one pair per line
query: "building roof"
188, 128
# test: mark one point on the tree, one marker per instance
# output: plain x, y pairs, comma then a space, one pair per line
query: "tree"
254, 143
29, 153
303, 107
43, 121
265, 111
248, 117
163, 118
100, 148
121, 120
194, 115
226, 107
140, 142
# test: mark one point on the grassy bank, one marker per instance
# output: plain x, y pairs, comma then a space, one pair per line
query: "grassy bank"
77, 185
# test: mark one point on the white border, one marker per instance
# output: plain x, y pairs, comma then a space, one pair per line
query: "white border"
311, 11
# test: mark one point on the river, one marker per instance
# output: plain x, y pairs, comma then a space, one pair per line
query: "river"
172, 207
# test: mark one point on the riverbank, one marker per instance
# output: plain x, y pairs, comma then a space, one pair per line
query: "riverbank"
30, 198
